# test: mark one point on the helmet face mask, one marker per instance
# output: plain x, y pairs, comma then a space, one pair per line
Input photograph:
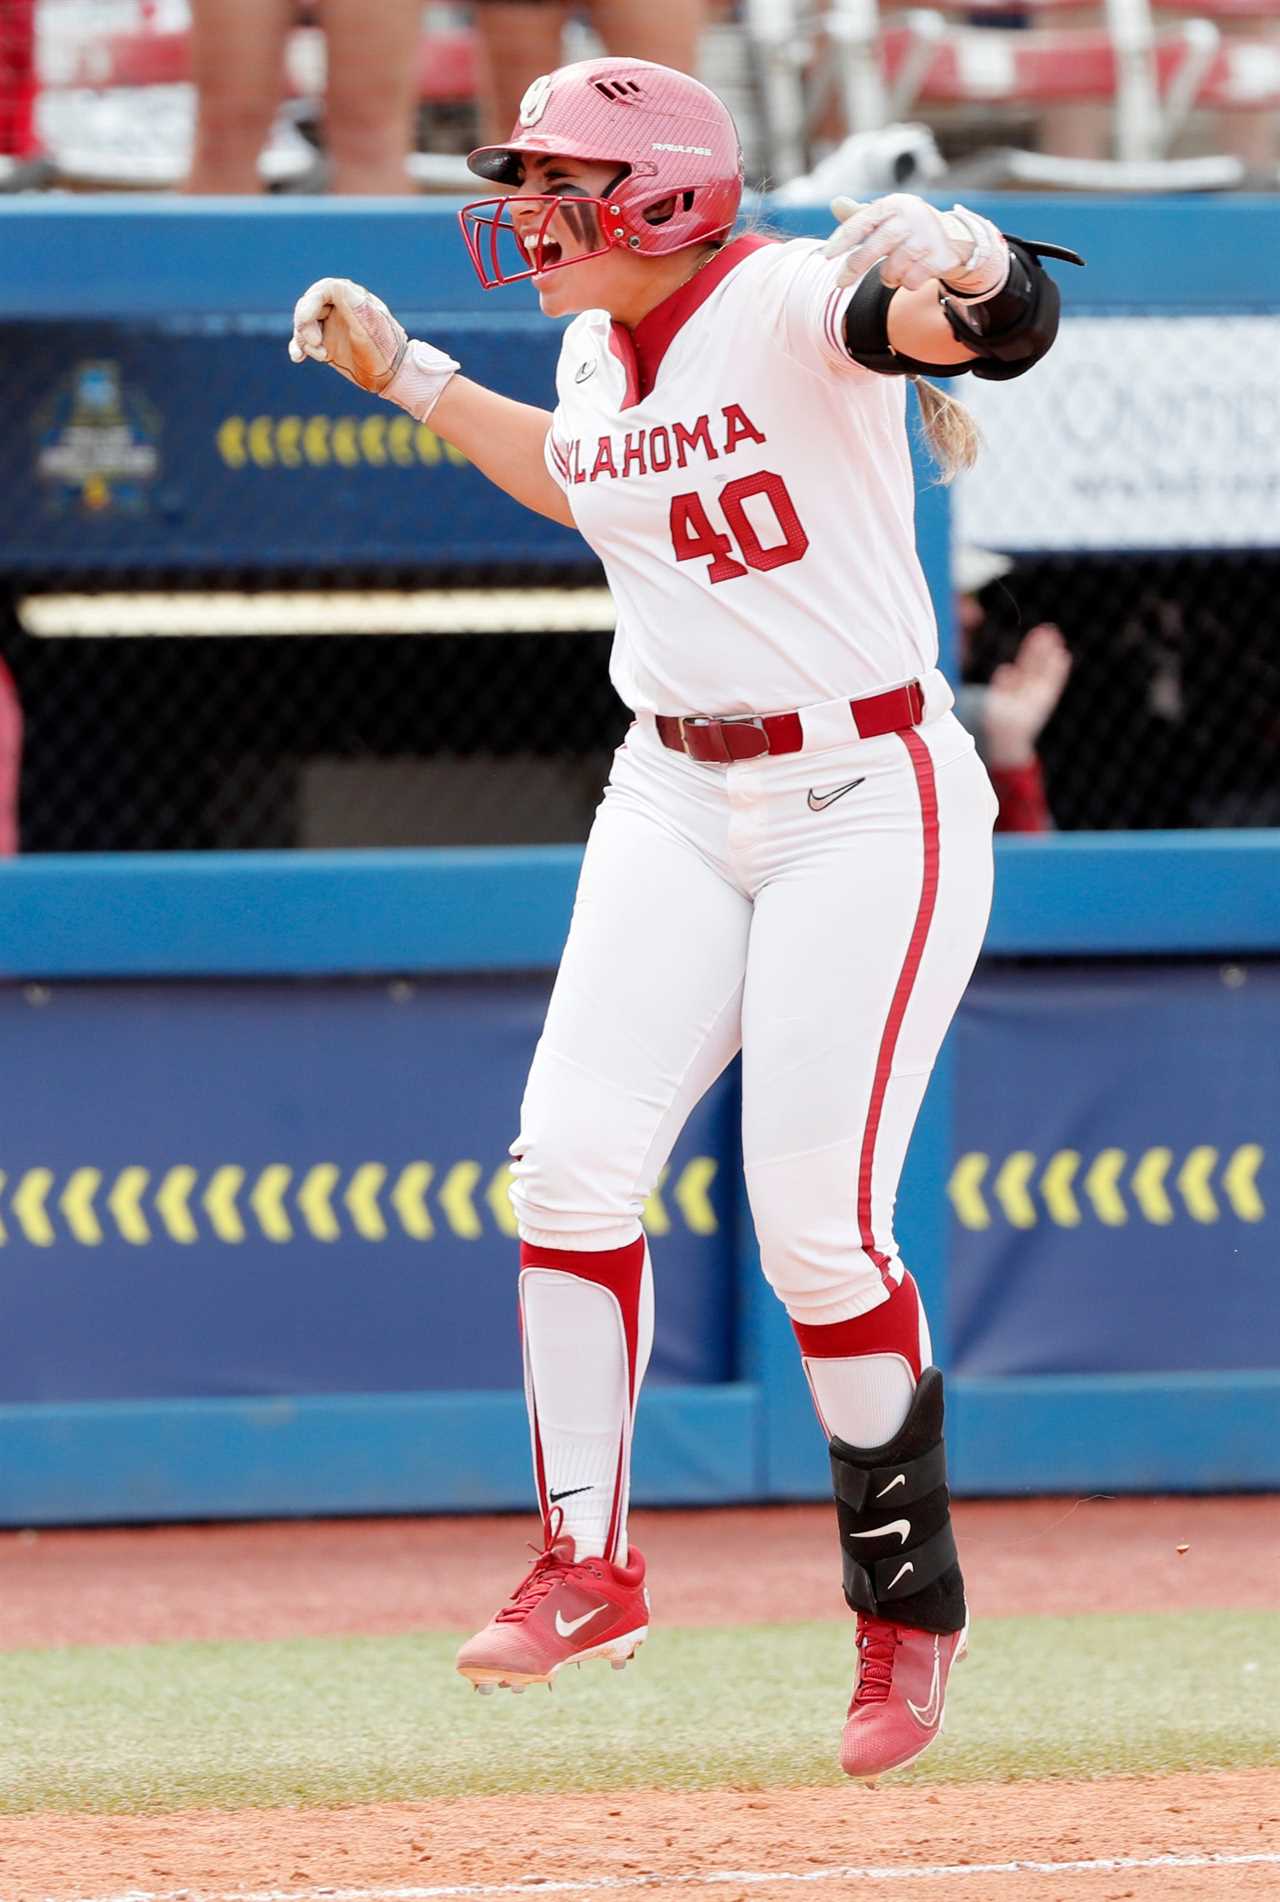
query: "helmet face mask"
506, 252
673, 149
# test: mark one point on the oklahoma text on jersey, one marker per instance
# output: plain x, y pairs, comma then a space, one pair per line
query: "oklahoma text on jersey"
658, 447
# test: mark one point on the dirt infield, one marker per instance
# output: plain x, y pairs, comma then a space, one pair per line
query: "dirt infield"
327, 1577
690, 1836
1142, 1838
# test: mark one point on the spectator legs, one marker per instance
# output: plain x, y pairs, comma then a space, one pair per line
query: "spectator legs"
1079, 128
372, 92
669, 35
237, 56
518, 39
515, 41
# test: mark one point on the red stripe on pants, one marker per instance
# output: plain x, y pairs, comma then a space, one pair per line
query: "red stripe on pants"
620, 1271
926, 787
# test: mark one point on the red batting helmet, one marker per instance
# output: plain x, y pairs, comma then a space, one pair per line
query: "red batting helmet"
674, 143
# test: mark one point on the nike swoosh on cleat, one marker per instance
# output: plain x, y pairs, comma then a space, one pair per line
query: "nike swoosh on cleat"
933, 1709
819, 801
901, 1526
567, 1626
901, 1573
899, 1479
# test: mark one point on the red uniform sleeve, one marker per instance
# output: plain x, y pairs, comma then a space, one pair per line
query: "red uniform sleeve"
1023, 805
556, 457
10, 760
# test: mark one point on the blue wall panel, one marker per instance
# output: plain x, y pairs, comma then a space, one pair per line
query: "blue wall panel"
1139, 1433
1113, 1184
298, 1189
133, 256
343, 1453
163, 325
369, 1097
248, 461
153, 1364
259, 914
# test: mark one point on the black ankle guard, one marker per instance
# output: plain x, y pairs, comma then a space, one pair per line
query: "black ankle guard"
893, 1510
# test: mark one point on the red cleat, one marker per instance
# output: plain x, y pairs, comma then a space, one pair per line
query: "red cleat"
898, 1694
563, 1611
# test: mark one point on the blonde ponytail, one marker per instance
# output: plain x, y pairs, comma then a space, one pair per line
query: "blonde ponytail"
953, 436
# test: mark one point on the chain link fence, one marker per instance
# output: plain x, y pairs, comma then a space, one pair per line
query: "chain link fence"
1171, 714
150, 744
1171, 717
1134, 481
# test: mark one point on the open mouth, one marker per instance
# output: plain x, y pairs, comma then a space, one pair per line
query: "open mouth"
543, 256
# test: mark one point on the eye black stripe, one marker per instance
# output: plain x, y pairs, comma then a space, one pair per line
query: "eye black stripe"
574, 217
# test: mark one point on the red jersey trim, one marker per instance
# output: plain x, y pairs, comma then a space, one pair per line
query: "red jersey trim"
641, 350
829, 321
558, 455
622, 346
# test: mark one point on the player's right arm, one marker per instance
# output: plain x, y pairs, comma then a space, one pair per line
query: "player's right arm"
342, 324
506, 440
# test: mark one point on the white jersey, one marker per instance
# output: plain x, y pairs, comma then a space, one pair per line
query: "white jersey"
749, 490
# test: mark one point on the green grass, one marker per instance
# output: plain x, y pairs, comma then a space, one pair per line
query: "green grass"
350, 1720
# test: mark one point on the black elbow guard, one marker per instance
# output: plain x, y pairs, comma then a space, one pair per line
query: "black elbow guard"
1015, 328
866, 334
1007, 333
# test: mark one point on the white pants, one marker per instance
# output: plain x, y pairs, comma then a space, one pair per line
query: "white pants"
718, 909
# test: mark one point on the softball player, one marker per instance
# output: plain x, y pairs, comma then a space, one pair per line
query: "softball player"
793, 853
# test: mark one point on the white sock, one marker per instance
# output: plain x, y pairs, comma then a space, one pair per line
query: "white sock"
579, 1384
862, 1401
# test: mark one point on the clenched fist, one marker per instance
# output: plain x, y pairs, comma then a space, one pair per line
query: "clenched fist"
344, 325
913, 243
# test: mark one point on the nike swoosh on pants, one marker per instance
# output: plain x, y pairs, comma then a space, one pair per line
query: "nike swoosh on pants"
819, 801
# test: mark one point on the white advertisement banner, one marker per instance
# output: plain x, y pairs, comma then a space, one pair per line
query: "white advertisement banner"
1135, 432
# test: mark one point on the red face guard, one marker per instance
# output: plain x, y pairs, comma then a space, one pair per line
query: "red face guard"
504, 253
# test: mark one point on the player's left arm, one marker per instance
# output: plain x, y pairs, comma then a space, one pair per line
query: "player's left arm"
941, 292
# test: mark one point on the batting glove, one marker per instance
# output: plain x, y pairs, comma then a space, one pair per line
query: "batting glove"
344, 325
914, 244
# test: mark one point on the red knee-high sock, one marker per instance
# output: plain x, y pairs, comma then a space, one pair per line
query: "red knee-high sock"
587, 1327
862, 1373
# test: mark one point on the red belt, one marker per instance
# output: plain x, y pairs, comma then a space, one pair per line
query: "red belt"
748, 735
